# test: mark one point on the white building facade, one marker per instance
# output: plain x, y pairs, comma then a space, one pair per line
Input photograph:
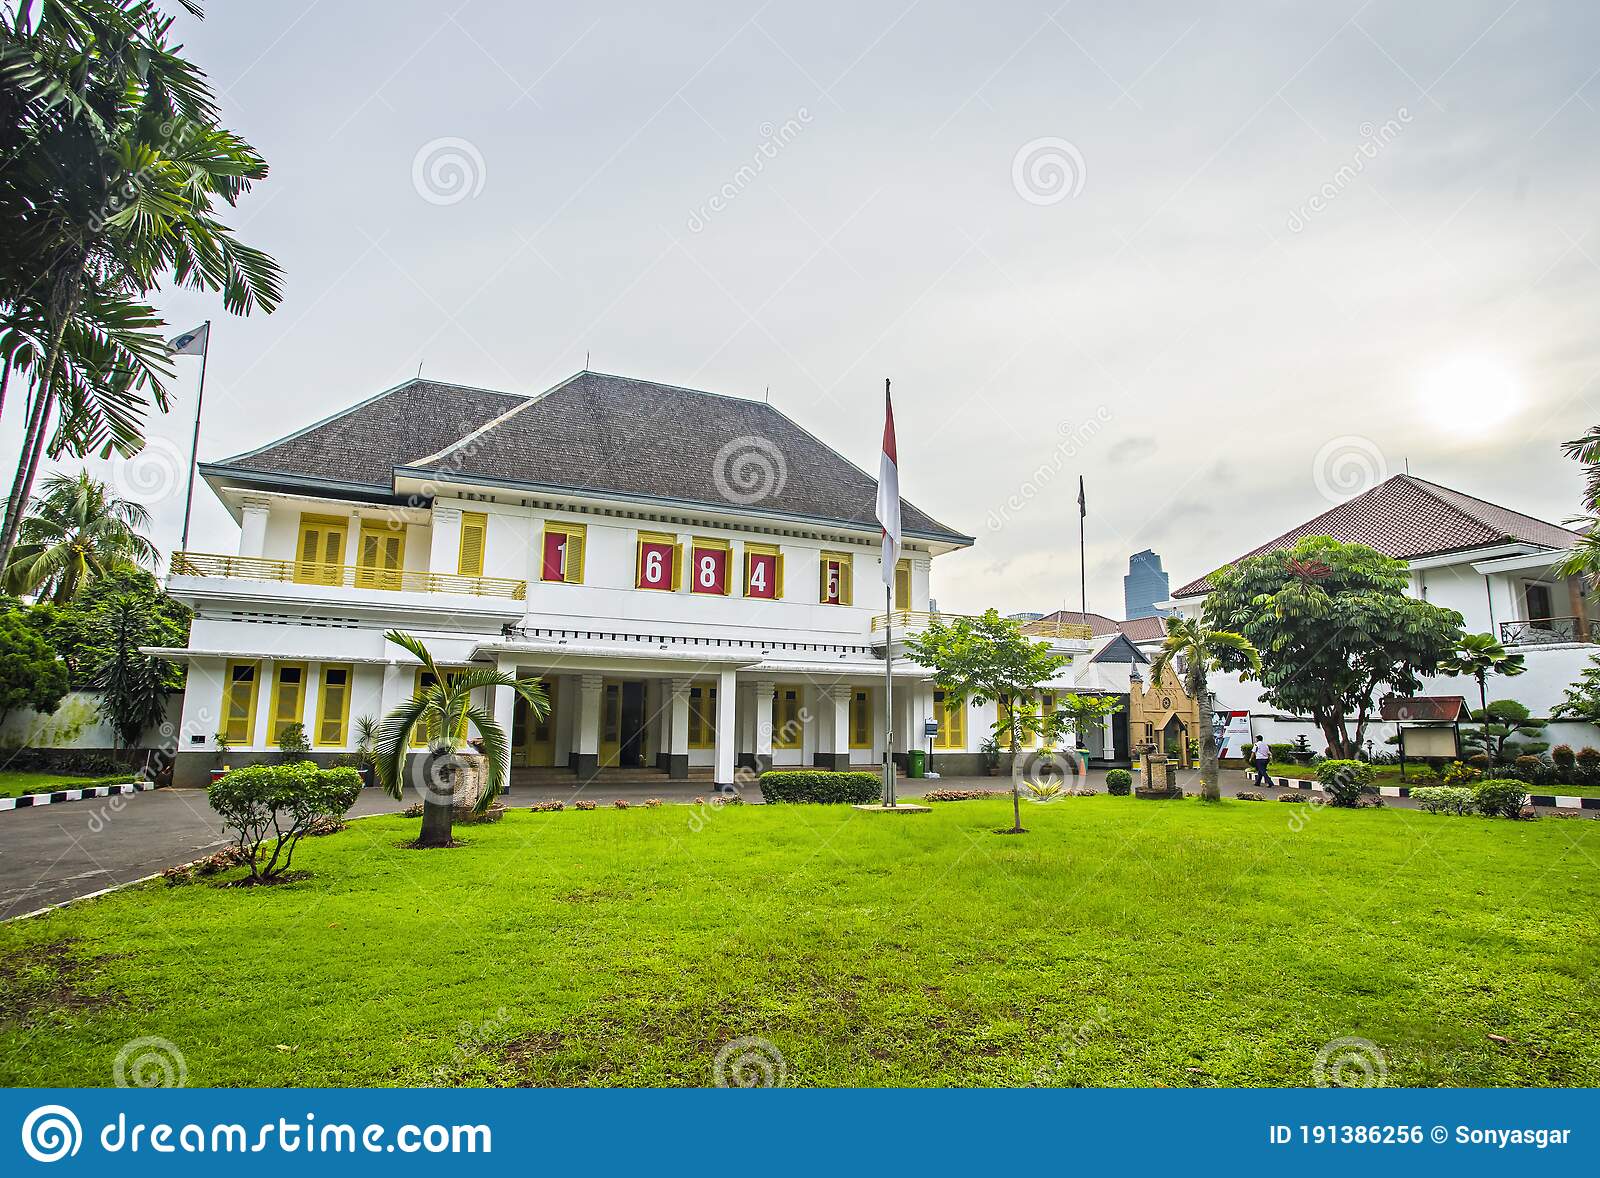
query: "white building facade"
695, 579
1493, 565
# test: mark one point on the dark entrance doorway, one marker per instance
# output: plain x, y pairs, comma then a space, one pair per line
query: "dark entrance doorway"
632, 751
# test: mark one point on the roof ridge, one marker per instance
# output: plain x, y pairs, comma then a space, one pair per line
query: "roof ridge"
1433, 490
491, 423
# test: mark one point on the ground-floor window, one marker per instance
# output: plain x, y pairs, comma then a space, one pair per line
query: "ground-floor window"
333, 706
951, 712
288, 698
702, 717
239, 702
788, 720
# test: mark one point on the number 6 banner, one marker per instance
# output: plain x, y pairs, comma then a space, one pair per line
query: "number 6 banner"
655, 564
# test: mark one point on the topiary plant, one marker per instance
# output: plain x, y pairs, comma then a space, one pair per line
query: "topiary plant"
1119, 782
1565, 761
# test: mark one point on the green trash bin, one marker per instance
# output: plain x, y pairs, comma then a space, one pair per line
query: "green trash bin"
916, 763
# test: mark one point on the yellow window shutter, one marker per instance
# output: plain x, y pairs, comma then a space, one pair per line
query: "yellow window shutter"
575, 538
474, 531
847, 581
780, 574
677, 567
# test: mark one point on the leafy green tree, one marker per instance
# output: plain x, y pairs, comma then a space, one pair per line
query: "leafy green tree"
133, 694
75, 531
30, 674
442, 712
115, 169
1333, 625
989, 658
1501, 722
1479, 656
1199, 651
78, 631
1583, 697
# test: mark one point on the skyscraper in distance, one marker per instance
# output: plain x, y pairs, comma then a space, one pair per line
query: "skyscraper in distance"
1145, 584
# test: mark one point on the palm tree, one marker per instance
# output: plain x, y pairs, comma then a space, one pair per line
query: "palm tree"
74, 532
1479, 656
1198, 651
114, 166
442, 711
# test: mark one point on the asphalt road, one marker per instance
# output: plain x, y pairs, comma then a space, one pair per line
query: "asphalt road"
50, 854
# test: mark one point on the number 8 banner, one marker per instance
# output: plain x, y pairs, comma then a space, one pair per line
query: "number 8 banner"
710, 571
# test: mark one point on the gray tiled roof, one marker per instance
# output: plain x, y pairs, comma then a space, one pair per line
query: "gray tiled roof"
592, 433
360, 446
1408, 518
616, 435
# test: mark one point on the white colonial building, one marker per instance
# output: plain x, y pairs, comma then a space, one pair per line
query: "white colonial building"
694, 577
1493, 565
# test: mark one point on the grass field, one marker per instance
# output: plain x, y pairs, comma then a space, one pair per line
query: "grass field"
15, 784
1120, 942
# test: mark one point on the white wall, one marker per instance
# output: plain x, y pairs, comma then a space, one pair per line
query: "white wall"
76, 724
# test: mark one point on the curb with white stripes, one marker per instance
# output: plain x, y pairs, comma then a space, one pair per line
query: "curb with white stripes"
1550, 801
74, 795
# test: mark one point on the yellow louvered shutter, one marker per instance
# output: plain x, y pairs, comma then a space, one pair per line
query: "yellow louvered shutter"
474, 534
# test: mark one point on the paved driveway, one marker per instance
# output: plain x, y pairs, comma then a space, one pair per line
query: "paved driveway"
53, 853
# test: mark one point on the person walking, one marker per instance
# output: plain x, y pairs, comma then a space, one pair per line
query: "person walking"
1261, 754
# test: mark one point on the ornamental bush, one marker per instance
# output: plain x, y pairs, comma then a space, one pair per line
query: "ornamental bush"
1565, 761
1119, 782
1344, 781
1445, 799
1500, 797
821, 786
281, 803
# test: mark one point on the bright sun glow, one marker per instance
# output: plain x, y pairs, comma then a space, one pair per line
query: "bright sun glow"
1470, 393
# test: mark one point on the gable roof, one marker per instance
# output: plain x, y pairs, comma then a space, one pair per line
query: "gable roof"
638, 439
1407, 518
593, 433
1119, 650
359, 447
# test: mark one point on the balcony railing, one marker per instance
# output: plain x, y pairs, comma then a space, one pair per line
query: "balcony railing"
913, 619
306, 572
1532, 632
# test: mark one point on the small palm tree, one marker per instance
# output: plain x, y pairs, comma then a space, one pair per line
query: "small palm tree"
1202, 651
1479, 656
442, 711
74, 532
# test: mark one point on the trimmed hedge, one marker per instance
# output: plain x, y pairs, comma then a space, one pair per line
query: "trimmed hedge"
1118, 782
821, 786
1500, 798
1444, 799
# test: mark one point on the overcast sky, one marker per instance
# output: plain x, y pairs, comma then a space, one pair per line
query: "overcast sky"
1230, 262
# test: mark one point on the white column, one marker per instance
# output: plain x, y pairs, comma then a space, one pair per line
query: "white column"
727, 685
505, 705
840, 693
587, 739
678, 727
444, 554
253, 527
761, 701
266, 697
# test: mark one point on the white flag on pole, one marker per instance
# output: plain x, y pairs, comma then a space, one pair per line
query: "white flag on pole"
889, 492
191, 343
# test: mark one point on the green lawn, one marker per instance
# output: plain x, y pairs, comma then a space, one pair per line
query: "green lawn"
1120, 942
15, 784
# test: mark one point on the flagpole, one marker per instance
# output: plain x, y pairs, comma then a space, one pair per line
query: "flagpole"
888, 697
194, 445
1083, 572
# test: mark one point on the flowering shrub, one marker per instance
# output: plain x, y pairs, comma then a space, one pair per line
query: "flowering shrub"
1461, 774
620, 804
547, 807
652, 803
583, 805
1251, 797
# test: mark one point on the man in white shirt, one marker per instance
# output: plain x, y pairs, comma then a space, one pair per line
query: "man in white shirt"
1261, 754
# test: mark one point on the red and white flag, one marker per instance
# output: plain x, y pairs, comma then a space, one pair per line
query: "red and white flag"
889, 492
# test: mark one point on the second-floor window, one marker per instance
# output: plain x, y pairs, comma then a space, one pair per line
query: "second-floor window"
657, 562
836, 584
763, 571
708, 566
902, 585
561, 552
474, 537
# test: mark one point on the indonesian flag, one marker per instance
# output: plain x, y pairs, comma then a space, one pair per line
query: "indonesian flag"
889, 492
